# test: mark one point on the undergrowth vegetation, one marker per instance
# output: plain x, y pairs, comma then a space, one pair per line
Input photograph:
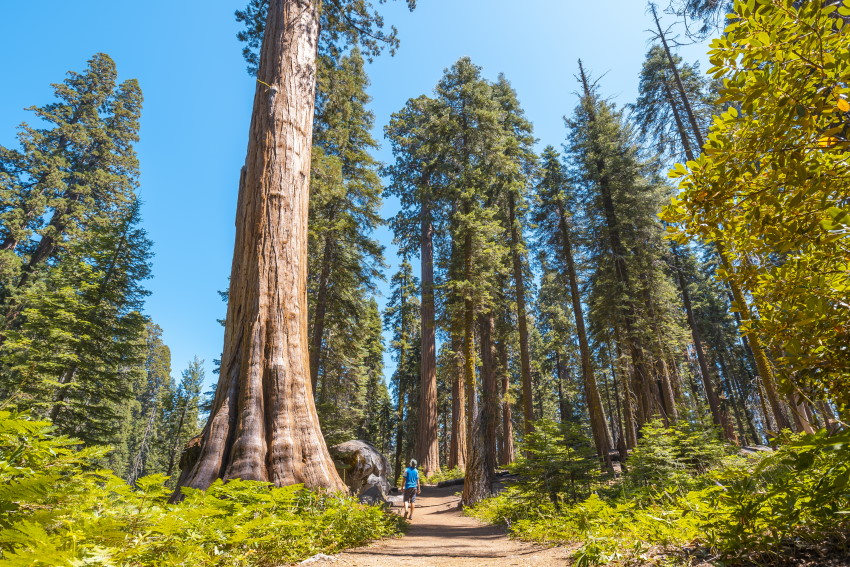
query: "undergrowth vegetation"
443, 475
685, 498
57, 508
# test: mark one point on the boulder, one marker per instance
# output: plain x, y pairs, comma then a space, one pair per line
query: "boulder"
364, 469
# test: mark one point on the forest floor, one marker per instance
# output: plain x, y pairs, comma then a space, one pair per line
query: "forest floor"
441, 536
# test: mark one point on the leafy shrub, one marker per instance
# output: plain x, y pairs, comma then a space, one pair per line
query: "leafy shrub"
55, 509
556, 460
801, 493
742, 510
672, 456
443, 475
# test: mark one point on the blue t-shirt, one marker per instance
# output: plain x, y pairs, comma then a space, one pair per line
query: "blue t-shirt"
411, 477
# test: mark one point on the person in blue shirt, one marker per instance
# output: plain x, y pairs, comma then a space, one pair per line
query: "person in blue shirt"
411, 488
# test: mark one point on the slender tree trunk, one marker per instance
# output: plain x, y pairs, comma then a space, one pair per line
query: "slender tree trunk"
628, 399
490, 393
263, 424
469, 368
522, 319
680, 126
737, 402
591, 390
457, 456
506, 457
681, 88
800, 413
321, 311
710, 388
428, 448
175, 447
648, 397
762, 363
565, 408
665, 385
399, 431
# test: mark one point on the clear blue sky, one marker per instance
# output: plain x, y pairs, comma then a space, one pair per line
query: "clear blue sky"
198, 103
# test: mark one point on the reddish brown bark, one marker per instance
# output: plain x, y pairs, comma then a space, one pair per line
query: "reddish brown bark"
428, 447
263, 424
457, 450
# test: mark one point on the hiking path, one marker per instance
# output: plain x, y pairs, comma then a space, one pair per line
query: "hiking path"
441, 536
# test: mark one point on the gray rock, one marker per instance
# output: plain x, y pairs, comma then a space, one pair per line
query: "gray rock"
364, 469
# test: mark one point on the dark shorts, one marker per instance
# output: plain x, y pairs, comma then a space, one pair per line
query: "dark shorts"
410, 495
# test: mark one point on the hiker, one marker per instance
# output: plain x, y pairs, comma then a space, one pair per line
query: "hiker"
411, 488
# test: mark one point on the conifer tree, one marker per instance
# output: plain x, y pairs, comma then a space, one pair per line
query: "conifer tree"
631, 292
185, 411
475, 134
73, 258
344, 258
377, 425
514, 174
415, 179
555, 222
251, 435
402, 319
147, 427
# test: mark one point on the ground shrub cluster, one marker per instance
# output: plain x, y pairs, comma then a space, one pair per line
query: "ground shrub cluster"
685, 498
57, 508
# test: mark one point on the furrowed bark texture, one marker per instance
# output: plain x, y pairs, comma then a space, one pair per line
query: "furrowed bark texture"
428, 447
263, 425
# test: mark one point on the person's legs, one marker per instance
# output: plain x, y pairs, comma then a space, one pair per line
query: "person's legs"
409, 500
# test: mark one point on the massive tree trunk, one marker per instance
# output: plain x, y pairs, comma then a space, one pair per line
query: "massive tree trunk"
591, 390
428, 447
263, 424
522, 320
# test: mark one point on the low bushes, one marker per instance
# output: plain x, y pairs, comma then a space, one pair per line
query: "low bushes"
708, 504
55, 509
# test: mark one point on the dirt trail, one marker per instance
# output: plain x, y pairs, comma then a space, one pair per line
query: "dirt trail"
440, 536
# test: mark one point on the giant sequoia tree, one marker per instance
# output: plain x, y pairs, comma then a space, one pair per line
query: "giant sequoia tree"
263, 424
